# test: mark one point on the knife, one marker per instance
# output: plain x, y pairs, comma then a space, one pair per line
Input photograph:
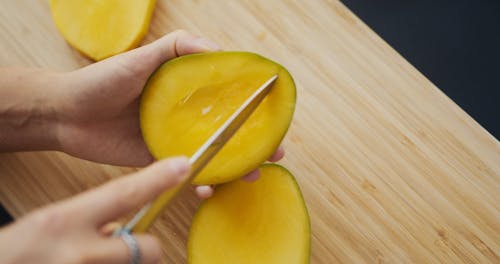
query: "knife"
146, 216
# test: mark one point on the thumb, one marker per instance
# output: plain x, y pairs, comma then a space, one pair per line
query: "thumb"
119, 197
141, 62
145, 59
178, 43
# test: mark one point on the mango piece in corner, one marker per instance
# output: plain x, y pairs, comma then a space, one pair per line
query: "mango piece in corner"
100, 29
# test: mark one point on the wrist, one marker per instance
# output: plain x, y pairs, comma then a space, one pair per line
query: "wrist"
29, 109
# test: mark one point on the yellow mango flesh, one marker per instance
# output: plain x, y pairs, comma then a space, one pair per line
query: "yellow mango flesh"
188, 98
265, 221
100, 29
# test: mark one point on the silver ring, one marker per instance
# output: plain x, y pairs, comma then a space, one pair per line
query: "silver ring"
133, 246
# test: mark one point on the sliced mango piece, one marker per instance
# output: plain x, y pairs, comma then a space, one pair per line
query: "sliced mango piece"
188, 98
100, 29
265, 221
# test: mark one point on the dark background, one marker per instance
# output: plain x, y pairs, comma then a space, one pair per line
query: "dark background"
4, 216
453, 43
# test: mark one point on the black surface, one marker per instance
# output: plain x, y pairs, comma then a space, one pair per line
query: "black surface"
4, 216
455, 44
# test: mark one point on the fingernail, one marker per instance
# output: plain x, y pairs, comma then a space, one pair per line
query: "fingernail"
179, 165
204, 192
206, 43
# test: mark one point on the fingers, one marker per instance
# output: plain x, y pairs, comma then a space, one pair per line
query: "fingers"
204, 191
127, 194
278, 154
252, 176
115, 250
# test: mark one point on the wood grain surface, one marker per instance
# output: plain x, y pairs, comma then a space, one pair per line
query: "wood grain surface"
391, 169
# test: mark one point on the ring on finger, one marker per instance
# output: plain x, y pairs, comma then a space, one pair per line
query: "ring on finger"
133, 246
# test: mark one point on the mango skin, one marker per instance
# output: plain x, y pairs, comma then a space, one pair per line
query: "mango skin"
189, 97
100, 29
265, 221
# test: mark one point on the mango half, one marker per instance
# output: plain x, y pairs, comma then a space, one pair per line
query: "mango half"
188, 98
265, 221
100, 29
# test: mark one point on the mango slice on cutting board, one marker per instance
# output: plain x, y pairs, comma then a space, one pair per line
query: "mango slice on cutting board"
265, 221
100, 29
189, 97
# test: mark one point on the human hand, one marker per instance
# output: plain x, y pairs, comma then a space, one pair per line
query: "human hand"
99, 120
72, 231
99, 115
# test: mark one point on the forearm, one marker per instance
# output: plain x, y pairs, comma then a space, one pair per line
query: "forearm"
28, 109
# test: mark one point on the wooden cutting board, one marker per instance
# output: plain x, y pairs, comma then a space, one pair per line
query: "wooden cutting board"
391, 169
